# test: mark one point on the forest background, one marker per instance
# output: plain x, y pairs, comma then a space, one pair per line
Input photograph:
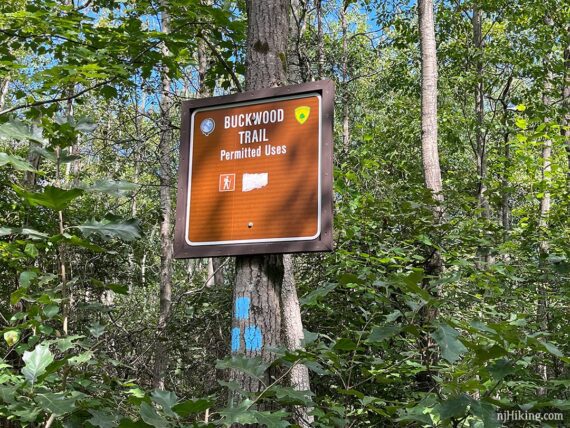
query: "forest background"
415, 319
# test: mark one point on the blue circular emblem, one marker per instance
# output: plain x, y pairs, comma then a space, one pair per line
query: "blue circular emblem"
207, 126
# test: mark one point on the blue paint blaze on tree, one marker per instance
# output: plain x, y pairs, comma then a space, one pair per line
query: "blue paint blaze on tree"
242, 308
253, 338
235, 339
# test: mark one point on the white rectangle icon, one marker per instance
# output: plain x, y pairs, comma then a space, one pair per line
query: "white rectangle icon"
254, 181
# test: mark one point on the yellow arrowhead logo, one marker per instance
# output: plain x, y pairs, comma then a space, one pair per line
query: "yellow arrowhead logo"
302, 114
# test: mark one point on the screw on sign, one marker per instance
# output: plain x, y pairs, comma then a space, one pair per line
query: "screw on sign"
260, 159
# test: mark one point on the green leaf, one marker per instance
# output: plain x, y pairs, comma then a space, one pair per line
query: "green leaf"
447, 339
252, 366
36, 362
26, 278
289, 395
110, 227
51, 310
52, 197
56, 403
501, 368
17, 162
453, 407
344, 344
314, 296
17, 130
111, 187
151, 417
51, 155
551, 348
382, 333
190, 407
31, 233
166, 400
239, 414
97, 330
102, 419
486, 413
272, 419
11, 337
81, 358
31, 250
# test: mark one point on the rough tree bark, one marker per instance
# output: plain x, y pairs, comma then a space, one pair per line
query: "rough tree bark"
292, 335
432, 171
256, 321
430, 154
166, 251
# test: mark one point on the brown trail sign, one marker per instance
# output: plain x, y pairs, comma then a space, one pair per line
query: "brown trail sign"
256, 173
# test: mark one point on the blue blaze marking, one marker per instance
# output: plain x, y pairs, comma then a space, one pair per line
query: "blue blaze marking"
242, 308
253, 338
235, 339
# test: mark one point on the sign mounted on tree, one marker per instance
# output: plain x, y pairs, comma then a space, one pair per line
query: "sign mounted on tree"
255, 173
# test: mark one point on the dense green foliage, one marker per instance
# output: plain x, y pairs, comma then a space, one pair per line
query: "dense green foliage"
79, 188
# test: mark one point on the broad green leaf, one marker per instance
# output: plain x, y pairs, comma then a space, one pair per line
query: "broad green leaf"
453, 407
501, 368
111, 187
382, 333
36, 362
97, 330
11, 337
344, 344
151, 416
166, 400
31, 233
551, 348
252, 366
17, 162
107, 228
26, 278
272, 419
313, 298
81, 358
51, 155
31, 250
486, 413
56, 403
102, 419
289, 395
240, 414
17, 130
447, 339
51, 310
190, 407
52, 197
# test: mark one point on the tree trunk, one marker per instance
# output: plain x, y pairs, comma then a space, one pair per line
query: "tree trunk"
4, 91
430, 154
256, 321
480, 141
166, 252
292, 337
432, 173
